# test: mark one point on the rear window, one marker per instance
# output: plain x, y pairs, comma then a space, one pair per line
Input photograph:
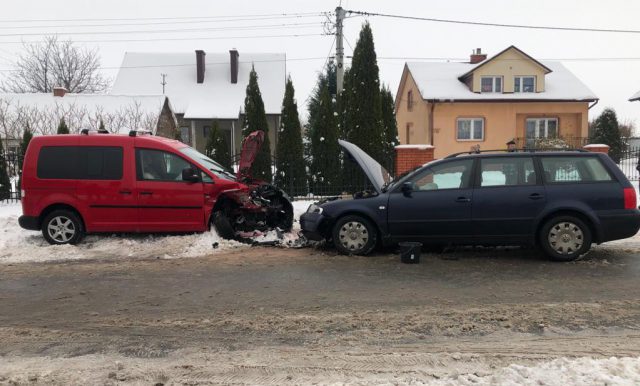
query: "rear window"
574, 169
80, 163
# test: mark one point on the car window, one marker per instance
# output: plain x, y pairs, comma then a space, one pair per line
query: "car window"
450, 175
80, 162
157, 165
509, 171
574, 169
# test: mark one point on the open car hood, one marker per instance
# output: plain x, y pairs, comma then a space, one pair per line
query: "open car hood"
250, 147
377, 174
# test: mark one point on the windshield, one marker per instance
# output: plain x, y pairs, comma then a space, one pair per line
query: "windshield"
208, 163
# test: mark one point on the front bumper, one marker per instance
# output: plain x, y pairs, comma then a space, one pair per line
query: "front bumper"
314, 226
29, 222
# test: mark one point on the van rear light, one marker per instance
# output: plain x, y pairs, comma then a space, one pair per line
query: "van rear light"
22, 192
630, 201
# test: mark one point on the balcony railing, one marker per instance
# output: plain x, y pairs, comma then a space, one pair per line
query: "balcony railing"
560, 142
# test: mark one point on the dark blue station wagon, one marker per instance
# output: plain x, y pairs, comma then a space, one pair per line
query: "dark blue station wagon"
561, 201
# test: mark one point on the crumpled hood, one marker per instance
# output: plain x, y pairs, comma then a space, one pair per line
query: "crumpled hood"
250, 147
377, 174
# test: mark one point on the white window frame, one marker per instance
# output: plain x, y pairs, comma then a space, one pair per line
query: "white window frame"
519, 80
493, 84
472, 129
542, 129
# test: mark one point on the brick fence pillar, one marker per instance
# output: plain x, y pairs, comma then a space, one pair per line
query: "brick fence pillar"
597, 148
410, 156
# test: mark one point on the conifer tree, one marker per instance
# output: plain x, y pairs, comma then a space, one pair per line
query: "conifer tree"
256, 119
325, 165
606, 131
5, 182
217, 147
362, 104
390, 130
62, 127
290, 173
26, 138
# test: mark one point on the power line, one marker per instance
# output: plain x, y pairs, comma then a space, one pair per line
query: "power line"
296, 14
174, 39
178, 30
494, 24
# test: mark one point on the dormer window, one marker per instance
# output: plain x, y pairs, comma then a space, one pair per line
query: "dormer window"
524, 84
491, 84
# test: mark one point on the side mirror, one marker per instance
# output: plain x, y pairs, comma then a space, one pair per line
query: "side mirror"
190, 175
407, 188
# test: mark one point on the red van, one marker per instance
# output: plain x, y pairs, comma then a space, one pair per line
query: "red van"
92, 182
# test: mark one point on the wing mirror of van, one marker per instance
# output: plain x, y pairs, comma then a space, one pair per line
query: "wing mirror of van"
190, 175
407, 188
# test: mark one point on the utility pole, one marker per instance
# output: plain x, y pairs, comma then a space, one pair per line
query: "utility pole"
164, 82
339, 49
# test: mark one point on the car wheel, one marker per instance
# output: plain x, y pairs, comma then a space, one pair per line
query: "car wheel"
223, 225
565, 238
62, 227
354, 235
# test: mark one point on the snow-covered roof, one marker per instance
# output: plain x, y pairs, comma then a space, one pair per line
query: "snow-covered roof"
635, 97
216, 97
440, 81
119, 112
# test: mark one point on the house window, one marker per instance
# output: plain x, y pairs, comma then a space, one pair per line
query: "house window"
408, 132
205, 131
524, 84
185, 135
491, 84
410, 100
542, 128
470, 129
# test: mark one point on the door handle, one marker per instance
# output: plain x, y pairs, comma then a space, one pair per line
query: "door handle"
146, 193
125, 192
536, 196
463, 199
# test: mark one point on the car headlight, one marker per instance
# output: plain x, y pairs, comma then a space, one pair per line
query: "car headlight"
313, 208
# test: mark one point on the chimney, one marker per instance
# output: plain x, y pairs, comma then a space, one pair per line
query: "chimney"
477, 56
59, 91
200, 65
233, 53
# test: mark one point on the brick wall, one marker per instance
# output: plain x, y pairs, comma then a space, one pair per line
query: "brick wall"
410, 156
597, 148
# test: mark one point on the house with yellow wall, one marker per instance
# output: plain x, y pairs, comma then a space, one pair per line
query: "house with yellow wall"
455, 106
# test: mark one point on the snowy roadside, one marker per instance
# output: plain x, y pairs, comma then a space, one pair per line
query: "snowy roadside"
18, 245
331, 368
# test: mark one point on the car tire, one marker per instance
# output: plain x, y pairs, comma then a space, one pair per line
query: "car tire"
565, 238
354, 235
62, 227
223, 225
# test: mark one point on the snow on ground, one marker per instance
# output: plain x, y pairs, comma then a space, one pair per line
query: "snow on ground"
190, 368
19, 245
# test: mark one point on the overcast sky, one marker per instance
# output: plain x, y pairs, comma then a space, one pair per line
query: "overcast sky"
613, 81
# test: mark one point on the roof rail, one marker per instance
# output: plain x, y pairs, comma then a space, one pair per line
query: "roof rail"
522, 150
87, 131
134, 133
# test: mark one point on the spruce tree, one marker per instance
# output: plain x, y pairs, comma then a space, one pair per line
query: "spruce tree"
217, 147
62, 127
256, 119
26, 138
325, 166
362, 104
290, 173
606, 131
390, 130
5, 182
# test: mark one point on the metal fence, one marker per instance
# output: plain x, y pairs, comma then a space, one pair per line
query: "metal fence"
559, 142
13, 163
629, 162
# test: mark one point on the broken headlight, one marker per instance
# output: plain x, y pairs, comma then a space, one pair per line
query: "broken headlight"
313, 208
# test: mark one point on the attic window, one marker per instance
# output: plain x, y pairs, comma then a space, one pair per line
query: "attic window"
524, 84
410, 100
491, 84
